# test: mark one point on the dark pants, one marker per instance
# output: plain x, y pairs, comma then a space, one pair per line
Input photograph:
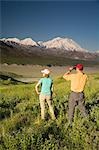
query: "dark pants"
76, 99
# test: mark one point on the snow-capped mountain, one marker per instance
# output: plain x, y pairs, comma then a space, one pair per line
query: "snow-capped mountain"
25, 42
57, 49
97, 52
57, 43
28, 41
63, 43
11, 40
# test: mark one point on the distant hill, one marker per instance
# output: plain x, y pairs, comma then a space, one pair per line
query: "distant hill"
9, 78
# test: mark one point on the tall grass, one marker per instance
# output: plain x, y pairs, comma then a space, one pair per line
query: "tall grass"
21, 127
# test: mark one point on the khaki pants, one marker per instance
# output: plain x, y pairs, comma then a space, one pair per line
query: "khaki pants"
42, 105
76, 99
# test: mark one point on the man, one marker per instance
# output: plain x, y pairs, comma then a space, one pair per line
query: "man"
78, 81
46, 93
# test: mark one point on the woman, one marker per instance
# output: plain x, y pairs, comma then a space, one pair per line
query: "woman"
46, 92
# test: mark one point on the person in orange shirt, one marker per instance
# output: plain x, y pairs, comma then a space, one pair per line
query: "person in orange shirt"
78, 81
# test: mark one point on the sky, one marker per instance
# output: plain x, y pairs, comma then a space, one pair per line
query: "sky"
45, 20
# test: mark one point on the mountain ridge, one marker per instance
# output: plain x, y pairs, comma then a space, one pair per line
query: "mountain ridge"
58, 43
14, 50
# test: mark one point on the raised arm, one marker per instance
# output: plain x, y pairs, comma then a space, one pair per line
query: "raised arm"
68, 72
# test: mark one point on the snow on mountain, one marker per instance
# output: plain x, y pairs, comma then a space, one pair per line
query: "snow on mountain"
58, 43
11, 42
28, 41
97, 52
11, 39
63, 43
58, 47
40, 43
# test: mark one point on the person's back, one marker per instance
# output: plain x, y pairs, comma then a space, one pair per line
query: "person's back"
78, 81
46, 85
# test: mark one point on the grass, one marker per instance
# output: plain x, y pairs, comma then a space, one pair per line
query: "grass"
22, 128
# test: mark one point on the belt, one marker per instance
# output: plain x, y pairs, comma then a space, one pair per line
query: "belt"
77, 92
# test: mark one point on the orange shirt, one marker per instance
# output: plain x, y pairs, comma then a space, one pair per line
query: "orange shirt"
78, 81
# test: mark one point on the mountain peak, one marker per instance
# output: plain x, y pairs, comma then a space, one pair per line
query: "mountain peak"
63, 43
28, 41
11, 39
57, 38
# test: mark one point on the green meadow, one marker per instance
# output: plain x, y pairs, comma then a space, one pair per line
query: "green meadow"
21, 127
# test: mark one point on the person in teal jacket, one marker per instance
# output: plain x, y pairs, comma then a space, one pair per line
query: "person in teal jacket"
46, 93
